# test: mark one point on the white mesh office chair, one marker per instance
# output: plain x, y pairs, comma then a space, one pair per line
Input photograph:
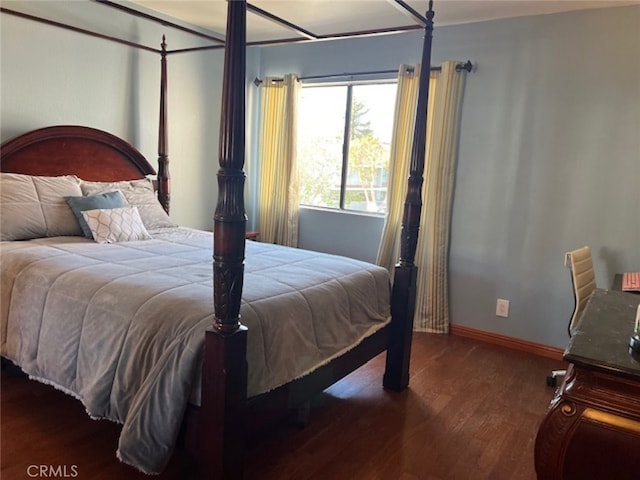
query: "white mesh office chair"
584, 282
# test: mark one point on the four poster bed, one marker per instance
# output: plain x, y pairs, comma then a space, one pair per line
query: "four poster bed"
127, 326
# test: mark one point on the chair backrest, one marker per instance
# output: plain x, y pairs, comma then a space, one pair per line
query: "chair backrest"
584, 281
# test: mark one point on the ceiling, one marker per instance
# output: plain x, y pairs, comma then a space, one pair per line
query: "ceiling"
330, 17
196, 24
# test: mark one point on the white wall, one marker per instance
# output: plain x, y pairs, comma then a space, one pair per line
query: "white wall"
549, 158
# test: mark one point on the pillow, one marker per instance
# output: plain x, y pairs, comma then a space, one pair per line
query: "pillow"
34, 207
113, 225
103, 200
137, 193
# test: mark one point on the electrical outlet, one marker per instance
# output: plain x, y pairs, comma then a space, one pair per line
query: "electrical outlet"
502, 308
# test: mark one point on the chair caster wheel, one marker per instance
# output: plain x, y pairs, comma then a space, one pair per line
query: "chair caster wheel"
552, 381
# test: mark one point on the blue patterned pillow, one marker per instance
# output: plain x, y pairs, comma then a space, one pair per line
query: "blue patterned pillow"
104, 200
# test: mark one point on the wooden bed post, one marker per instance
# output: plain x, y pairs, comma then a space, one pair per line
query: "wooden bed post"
224, 378
403, 295
164, 193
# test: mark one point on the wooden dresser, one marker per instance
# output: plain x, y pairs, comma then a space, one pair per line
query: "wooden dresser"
592, 428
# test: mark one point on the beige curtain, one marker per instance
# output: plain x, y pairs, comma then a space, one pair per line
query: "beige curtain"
400, 156
277, 209
443, 118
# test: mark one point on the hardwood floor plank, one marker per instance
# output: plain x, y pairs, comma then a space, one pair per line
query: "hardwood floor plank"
471, 412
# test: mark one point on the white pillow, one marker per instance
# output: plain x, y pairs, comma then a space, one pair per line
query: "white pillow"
35, 206
112, 225
137, 193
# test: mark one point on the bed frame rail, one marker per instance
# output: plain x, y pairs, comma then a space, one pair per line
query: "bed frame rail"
224, 418
403, 295
224, 378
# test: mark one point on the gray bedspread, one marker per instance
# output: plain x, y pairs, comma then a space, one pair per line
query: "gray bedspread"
121, 326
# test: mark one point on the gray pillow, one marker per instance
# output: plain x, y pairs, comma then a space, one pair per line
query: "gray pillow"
93, 202
34, 206
137, 193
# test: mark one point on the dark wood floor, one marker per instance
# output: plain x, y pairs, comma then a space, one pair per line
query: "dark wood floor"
471, 412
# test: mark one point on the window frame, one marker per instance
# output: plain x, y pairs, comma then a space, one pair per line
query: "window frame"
346, 139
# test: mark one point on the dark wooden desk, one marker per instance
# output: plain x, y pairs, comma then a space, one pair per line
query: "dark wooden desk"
592, 428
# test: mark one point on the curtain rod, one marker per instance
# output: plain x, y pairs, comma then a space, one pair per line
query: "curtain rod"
467, 66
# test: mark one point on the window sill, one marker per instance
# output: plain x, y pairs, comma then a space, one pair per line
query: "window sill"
341, 212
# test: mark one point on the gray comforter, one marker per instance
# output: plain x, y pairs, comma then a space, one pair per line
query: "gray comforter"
120, 326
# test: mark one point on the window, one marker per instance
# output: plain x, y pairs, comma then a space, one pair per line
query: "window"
344, 137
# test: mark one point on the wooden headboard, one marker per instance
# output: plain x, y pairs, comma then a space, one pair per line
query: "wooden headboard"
89, 153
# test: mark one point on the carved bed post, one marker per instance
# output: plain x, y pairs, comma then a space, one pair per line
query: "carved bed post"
224, 377
403, 296
164, 194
